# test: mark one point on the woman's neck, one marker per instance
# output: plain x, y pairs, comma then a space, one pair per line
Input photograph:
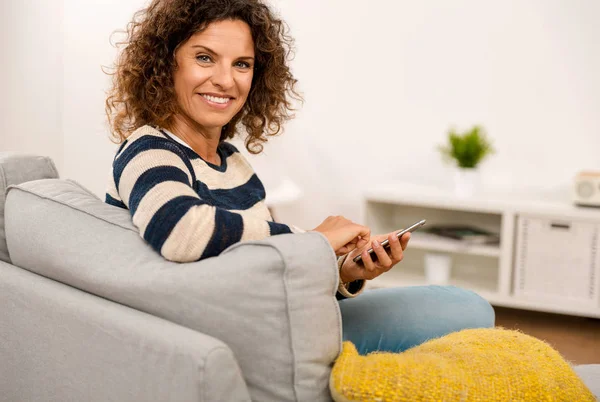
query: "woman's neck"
203, 141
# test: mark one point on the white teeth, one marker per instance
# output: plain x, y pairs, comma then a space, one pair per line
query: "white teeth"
216, 99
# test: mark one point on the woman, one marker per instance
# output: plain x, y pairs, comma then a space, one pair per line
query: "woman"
191, 74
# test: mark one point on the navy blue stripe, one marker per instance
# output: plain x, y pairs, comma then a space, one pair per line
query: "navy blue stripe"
143, 144
164, 220
190, 153
227, 149
187, 151
120, 149
151, 178
223, 157
112, 201
241, 198
229, 227
278, 228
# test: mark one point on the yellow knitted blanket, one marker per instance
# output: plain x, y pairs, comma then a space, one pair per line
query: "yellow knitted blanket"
484, 365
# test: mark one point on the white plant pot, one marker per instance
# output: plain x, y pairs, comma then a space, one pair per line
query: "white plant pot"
437, 268
467, 181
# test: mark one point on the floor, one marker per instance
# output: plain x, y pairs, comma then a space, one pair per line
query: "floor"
576, 338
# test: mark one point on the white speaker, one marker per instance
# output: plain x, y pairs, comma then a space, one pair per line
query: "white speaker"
586, 189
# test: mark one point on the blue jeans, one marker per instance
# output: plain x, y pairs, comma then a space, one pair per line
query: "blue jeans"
397, 319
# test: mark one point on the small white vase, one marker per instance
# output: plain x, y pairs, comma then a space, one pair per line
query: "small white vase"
466, 181
437, 268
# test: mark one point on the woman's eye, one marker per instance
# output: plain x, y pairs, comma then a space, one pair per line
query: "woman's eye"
242, 64
204, 58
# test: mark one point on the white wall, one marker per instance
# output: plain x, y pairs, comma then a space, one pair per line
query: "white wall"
88, 28
382, 84
385, 81
52, 53
31, 77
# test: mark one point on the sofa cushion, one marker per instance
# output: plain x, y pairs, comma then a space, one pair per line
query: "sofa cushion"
272, 302
480, 364
16, 169
590, 374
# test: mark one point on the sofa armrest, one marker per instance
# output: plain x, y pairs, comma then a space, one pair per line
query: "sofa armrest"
17, 169
61, 344
272, 301
306, 326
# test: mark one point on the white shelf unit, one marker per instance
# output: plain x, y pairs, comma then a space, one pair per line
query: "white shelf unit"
486, 269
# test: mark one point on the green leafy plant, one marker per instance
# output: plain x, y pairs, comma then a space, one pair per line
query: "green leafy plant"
468, 148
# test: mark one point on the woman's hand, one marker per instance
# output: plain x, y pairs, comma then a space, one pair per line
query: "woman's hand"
343, 234
368, 269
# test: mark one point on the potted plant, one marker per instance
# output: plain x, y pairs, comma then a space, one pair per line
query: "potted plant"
466, 150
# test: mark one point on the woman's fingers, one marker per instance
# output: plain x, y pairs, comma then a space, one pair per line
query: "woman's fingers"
396, 248
404, 240
343, 250
384, 260
358, 241
355, 236
343, 234
363, 236
370, 270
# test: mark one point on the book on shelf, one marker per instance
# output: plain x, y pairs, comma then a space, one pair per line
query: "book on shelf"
465, 233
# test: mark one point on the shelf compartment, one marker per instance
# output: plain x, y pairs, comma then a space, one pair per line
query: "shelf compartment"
426, 241
476, 273
386, 218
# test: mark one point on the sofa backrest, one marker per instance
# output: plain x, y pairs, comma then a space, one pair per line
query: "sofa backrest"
272, 302
17, 169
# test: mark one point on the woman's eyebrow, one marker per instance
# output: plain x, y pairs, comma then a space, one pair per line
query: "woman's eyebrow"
209, 50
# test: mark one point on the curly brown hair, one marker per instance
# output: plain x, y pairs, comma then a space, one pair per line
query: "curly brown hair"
142, 84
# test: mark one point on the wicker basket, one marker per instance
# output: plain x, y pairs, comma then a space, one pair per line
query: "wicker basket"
557, 260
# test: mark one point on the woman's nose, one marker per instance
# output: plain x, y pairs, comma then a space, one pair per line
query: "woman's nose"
223, 76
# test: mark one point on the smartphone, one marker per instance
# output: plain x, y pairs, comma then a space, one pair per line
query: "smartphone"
385, 243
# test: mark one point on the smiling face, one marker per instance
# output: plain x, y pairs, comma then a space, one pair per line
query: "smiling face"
214, 74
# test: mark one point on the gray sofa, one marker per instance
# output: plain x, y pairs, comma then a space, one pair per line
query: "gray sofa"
88, 312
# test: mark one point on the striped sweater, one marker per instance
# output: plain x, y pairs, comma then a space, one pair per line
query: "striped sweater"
186, 208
